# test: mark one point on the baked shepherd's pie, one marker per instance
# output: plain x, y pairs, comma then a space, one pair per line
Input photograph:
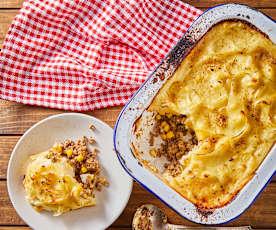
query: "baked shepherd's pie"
216, 115
64, 178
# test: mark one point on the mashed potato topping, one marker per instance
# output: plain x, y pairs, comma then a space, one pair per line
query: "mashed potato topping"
226, 88
52, 185
64, 177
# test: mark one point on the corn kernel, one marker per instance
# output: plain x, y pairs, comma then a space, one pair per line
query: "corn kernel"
153, 153
92, 177
69, 152
80, 158
163, 136
57, 148
163, 123
158, 117
166, 128
102, 179
181, 167
83, 169
169, 115
170, 135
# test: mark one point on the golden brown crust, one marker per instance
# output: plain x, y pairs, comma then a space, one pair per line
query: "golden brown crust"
226, 86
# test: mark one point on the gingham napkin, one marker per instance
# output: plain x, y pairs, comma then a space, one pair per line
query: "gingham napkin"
87, 54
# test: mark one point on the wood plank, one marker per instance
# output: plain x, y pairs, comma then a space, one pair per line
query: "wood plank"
14, 228
260, 215
211, 3
11, 3
6, 17
270, 12
111, 228
196, 3
7, 144
17, 118
27, 228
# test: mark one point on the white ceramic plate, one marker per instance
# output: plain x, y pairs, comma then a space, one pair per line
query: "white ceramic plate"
110, 202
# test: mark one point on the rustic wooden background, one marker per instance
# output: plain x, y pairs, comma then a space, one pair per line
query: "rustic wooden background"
15, 119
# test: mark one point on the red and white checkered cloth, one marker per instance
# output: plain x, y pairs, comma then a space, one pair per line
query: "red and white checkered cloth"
87, 54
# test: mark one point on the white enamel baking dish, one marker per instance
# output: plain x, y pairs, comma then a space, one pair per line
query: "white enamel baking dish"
143, 98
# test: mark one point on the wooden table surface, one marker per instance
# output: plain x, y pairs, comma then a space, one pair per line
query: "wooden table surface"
15, 119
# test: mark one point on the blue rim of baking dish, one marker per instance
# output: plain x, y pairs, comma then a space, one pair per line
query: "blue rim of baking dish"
130, 100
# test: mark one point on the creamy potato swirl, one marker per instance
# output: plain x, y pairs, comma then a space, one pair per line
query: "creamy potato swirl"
226, 87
